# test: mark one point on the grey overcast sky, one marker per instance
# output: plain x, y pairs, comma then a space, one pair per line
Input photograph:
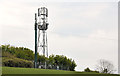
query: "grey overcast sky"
82, 30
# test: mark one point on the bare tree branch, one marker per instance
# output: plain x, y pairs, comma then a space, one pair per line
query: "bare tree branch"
105, 66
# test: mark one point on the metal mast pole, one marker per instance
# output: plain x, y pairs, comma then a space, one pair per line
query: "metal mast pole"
44, 42
44, 45
35, 60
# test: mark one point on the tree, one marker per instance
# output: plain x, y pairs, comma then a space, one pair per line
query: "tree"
87, 70
105, 66
53, 61
72, 66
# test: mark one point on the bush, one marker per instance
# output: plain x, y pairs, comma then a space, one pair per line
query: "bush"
7, 54
16, 62
87, 70
23, 57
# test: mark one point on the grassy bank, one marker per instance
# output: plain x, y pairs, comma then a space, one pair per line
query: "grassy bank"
13, 71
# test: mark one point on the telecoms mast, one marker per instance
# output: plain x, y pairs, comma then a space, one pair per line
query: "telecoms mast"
41, 24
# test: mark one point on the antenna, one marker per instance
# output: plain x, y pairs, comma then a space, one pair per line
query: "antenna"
42, 26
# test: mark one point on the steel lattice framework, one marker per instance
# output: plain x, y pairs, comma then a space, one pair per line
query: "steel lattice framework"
41, 25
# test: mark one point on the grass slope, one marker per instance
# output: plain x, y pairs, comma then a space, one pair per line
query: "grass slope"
36, 72
14, 70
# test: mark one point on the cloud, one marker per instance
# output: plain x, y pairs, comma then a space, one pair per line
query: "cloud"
111, 35
83, 20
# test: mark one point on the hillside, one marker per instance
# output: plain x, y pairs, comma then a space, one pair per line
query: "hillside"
19, 60
23, 57
13, 71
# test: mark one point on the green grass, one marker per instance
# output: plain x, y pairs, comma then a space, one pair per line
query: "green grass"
14, 70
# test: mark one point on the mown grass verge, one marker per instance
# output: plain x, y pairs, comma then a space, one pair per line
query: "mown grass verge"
13, 71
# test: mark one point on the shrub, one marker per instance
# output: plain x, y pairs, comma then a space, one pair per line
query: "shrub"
16, 62
87, 70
